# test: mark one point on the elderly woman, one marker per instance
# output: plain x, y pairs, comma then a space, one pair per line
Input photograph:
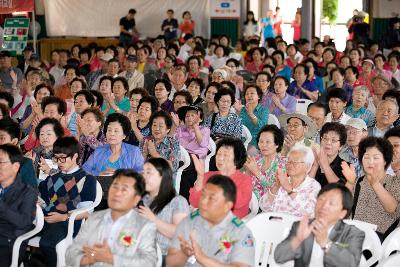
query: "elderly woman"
337, 76
134, 98
209, 106
162, 89
105, 89
327, 167
195, 88
264, 166
230, 158
224, 123
300, 129
376, 195
33, 110
48, 131
82, 100
120, 102
263, 80
337, 104
195, 139
115, 154
280, 102
257, 60
254, 116
161, 204
159, 144
90, 133
293, 192
357, 108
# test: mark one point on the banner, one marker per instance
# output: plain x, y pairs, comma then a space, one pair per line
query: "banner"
10, 6
100, 18
15, 35
224, 9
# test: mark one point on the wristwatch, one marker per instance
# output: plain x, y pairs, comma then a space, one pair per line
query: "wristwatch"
327, 246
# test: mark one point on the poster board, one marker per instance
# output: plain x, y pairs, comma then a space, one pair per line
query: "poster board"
225, 9
15, 35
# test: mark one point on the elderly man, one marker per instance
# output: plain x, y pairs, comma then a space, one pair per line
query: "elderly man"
326, 240
17, 203
94, 75
112, 70
393, 136
135, 78
300, 129
178, 79
212, 235
387, 113
118, 236
356, 131
317, 112
9, 73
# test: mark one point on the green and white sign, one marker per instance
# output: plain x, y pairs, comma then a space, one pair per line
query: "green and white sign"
15, 35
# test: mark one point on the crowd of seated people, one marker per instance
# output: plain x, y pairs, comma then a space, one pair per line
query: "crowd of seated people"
66, 125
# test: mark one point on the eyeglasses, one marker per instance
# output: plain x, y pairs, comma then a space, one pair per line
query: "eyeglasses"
294, 162
353, 131
60, 159
3, 162
328, 140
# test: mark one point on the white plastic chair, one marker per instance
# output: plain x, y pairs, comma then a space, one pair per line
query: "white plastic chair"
392, 261
272, 119
247, 136
212, 147
185, 157
302, 105
371, 241
269, 229
391, 244
62, 246
253, 206
38, 222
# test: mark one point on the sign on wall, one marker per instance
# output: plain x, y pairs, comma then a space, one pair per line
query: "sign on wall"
225, 9
15, 34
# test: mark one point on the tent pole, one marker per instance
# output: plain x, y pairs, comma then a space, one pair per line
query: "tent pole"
34, 29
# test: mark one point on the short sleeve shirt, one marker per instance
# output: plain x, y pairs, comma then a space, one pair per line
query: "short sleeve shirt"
127, 24
336, 168
228, 242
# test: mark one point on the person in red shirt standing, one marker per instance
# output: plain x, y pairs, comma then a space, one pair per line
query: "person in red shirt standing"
278, 21
187, 25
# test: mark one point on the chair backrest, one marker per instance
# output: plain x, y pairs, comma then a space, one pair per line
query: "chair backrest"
62, 246
371, 243
246, 134
392, 261
269, 229
272, 119
185, 157
38, 222
302, 105
253, 207
391, 244
212, 148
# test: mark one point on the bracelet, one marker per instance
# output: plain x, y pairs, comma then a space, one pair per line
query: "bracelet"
327, 246
272, 194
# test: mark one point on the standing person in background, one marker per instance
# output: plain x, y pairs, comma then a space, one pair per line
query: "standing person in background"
278, 21
296, 25
170, 26
250, 28
267, 24
127, 28
187, 25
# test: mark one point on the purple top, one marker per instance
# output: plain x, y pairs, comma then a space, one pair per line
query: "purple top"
289, 102
168, 106
187, 139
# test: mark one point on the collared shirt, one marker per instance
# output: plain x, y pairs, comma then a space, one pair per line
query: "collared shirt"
168, 148
173, 91
289, 102
87, 144
72, 123
362, 113
124, 105
230, 125
211, 238
317, 254
342, 119
261, 113
112, 228
295, 90
347, 155
187, 138
302, 204
375, 131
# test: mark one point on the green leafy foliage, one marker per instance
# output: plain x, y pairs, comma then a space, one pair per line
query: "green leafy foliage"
330, 10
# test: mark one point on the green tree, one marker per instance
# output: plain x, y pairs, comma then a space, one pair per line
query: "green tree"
330, 10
